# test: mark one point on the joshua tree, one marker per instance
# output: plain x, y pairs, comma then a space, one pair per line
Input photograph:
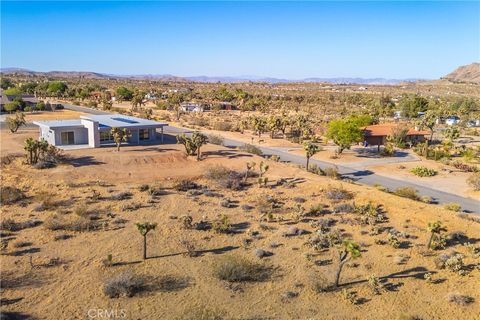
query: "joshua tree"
259, 125
199, 140
273, 124
310, 150
348, 250
119, 136
435, 228
193, 144
34, 149
250, 166
145, 228
15, 123
263, 168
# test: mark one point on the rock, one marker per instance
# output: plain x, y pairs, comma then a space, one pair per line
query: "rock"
260, 253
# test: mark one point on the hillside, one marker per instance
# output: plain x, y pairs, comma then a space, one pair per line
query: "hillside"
467, 73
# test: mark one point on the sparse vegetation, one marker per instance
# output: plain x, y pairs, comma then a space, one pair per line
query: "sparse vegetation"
144, 229
423, 171
237, 269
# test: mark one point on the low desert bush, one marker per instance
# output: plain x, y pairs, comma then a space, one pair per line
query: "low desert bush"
370, 214
313, 168
216, 139
185, 185
407, 192
332, 172
122, 196
338, 194
452, 206
250, 149
11, 225
222, 224
455, 297
474, 181
343, 208
222, 126
237, 269
423, 171
125, 284
56, 222
9, 195
224, 177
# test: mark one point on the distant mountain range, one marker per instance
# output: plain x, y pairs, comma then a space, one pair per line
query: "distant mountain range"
469, 73
168, 77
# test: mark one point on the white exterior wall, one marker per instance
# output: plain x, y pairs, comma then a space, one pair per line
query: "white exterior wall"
80, 135
93, 133
48, 135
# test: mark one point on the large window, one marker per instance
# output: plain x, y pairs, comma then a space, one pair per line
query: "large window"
67, 137
144, 134
106, 136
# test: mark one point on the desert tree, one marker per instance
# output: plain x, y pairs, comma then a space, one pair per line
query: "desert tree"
15, 123
144, 229
259, 125
273, 123
199, 139
250, 166
346, 251
34, 149
435, 228
310, 150
344, 133
429, 120
452, 133
119, 136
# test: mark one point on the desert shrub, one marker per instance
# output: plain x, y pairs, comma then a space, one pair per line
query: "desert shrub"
250, 149
350, 296
124, 284
426, 199
407, 192
225, 177
374, 284
423, 171
452, 206
455, 262
393, 240
222, 224
332, 172
455, 297
215, 139
11, 225
338, 194
185, 185
78, 223
222, 126
237, 269
313, 168
122, 196
322, 240
144, 187
474, 181
370, 213
465, 167
9, 195
186, 222
343, 208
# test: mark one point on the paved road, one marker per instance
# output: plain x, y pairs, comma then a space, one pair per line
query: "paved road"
359, 176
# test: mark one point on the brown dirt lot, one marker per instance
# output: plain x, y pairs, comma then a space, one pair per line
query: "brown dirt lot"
50, 278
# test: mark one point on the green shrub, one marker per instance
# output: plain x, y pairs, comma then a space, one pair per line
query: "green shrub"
423, 171
215, 139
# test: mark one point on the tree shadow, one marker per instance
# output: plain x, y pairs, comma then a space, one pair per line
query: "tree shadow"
198, 252
8, 315
83, 161
226, 154
6, 302
24, 252
151, 148
417, 273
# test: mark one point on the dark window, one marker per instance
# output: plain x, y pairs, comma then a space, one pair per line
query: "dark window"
67, 137
144, 134
105, 136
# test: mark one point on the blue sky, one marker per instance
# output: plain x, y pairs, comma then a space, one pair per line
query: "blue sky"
277, 39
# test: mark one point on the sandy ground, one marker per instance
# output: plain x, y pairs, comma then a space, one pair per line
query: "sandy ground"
71, 285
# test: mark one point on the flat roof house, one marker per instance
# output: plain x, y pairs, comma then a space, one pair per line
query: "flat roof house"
94, 130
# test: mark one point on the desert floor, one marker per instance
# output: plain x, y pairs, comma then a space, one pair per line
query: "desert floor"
60, 274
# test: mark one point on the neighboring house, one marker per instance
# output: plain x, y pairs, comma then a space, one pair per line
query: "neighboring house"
191, 107
95, 130
397, 115
151, 96
452, 120
473, 123
30, 100
377, 134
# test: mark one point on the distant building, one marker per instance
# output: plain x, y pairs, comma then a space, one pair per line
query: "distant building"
452, 120
191, 107
29, 100
397, 115
377, 134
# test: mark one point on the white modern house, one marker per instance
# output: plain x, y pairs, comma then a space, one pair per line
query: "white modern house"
191, 107
93, 131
